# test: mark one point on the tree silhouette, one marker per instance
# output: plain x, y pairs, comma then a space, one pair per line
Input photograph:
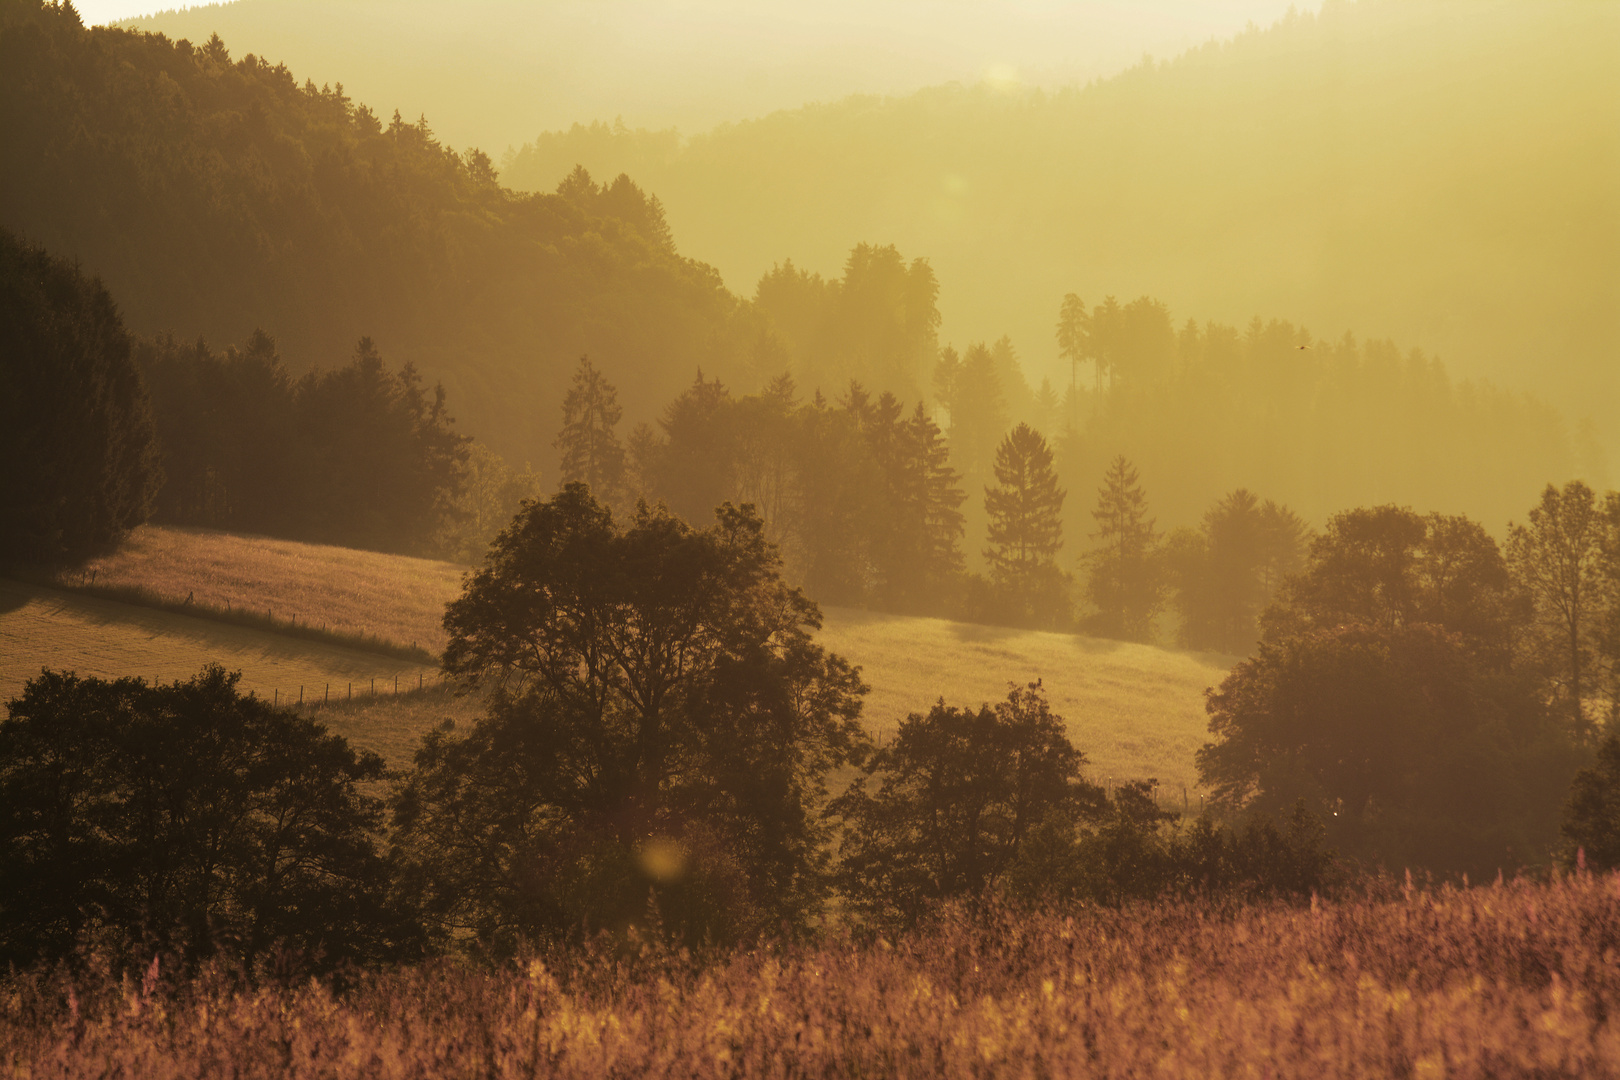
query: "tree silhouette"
660, 719
1026, 523
78, 464
1413, 750
1126, 581
959, 792
590, 450
1389, 567
192, 816
1559, 556
1228, 571
1074, 336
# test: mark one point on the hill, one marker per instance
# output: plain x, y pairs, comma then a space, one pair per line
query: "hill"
1137, 711
684, 63
214, 196
1440, 172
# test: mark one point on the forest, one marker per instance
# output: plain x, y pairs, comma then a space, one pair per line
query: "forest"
1333, 168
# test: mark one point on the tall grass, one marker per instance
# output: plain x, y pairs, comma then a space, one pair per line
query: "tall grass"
1511, 980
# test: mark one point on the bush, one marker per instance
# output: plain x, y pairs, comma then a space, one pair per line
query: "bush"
188, 817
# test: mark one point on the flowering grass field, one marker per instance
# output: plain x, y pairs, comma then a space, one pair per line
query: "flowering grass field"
1136, 710
1506, 980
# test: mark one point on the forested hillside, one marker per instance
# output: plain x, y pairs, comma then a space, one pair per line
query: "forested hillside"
214, 196
1344, 169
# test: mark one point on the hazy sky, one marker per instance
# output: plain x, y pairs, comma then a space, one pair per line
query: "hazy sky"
494, 73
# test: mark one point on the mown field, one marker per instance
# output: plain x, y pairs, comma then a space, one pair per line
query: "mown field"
1516, 980
1137, 711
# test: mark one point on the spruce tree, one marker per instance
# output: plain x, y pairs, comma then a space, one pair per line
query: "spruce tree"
1026, 525
591, 453
1126, 580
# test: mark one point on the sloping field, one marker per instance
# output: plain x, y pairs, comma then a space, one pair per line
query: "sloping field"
1137, 711
41, 627
393, 597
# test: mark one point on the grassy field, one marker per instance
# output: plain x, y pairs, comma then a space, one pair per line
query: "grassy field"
392, 597
42, 627
1137, 711
1518, 980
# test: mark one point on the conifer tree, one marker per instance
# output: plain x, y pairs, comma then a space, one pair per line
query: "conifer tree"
1126, 580
941, 498
1026, 525
591, 453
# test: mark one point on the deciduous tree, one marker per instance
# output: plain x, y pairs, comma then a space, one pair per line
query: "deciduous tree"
660, 718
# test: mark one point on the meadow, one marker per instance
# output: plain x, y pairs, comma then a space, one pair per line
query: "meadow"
1136, 710
1517, 979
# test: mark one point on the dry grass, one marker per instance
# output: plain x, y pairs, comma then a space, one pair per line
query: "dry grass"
41, 627
1137, 711
1516, 980
392, 597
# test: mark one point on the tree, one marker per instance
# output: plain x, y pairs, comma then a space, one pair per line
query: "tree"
1389, 567
191, 816
1227, 572
660, 719
78, 464
972, 393
490, 494
959, 791
1411, 748
1126, 581
1074, 337
591, 453
1592, 814
379, 458
1559, 558
1026, 524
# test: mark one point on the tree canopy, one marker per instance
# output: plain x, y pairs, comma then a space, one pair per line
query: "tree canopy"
78, 464
660, 719
190, 817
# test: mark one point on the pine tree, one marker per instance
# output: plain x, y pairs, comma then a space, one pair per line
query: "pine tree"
1126, 580
915, 548
591, 453
941, 498
1025, 510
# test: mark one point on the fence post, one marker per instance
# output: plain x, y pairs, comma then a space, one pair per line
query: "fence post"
396, 686
300, 696
351, 690
277, 702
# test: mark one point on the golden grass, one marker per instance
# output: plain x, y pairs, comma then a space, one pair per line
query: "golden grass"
1512, 980
42, 627
365, 593
1136, 710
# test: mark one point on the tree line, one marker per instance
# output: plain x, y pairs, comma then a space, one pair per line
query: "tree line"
864, 499
358, 456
